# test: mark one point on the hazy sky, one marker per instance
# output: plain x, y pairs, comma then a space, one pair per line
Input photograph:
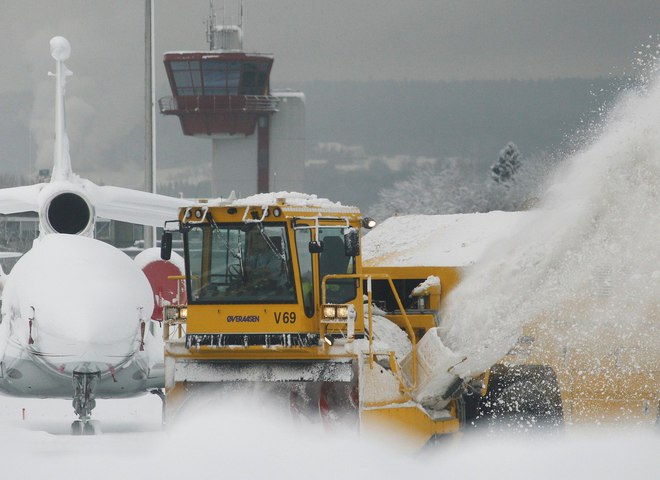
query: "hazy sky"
311, 39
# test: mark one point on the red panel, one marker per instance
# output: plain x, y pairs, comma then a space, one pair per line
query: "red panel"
203, 123
165, 290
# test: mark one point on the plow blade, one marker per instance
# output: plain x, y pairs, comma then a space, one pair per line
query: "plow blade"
319, 371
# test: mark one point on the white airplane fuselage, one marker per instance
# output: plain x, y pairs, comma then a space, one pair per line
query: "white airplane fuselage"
76, 304
76, 312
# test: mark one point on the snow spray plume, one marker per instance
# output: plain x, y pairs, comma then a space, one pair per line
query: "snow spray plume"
586, 263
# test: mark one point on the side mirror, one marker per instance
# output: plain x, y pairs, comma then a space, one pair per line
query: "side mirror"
166, 246
352, 242
316, 247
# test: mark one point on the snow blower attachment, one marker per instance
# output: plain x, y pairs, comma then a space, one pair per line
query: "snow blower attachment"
276, 296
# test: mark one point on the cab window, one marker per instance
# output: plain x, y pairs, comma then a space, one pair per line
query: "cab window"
303, 237
333, 260
238, 263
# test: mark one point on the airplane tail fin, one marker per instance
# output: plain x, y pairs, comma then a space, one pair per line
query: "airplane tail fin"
60, 50
70, 204
25, 199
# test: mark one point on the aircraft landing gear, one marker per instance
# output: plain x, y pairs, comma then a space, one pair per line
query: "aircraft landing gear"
90, 427
161, 395
84, 383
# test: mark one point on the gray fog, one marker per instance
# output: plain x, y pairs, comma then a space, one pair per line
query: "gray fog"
312, 40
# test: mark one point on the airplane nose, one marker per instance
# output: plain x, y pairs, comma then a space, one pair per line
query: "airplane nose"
82, 294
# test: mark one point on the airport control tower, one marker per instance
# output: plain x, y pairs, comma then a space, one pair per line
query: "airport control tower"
223, 94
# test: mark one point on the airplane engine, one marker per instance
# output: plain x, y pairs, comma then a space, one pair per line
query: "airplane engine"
68, 212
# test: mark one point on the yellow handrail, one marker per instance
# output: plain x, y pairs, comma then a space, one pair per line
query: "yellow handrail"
409, 329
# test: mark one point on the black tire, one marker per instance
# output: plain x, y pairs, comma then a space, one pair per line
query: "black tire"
77, 427
522, 398
91, 427
468, 410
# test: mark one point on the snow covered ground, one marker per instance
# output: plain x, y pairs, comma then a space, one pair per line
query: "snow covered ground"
239, 442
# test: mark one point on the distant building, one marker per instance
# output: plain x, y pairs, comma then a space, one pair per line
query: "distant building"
18, 231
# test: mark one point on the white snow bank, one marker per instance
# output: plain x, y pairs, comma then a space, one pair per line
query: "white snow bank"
436, 240
228, 437
292, 198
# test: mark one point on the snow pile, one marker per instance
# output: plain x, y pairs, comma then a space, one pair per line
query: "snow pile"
436, 240
588, 262
425, 287
387, 336
291, 198
391, 336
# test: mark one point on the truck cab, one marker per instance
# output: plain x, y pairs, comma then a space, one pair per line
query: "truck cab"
254, 273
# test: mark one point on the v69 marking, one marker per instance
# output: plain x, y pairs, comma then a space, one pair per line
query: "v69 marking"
285, 317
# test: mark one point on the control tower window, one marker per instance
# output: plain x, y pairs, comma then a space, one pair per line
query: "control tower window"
221, 77
187, 77
254, 78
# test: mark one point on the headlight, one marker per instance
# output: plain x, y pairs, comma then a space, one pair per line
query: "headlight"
171, 313
368, 222
335, 312
175, 312
329, 311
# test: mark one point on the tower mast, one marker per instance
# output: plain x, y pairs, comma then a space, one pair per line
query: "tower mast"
149, 105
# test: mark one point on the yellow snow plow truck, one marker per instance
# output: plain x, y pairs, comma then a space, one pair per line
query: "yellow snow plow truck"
277, 296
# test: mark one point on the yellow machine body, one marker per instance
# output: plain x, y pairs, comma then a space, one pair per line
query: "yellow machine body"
303, 322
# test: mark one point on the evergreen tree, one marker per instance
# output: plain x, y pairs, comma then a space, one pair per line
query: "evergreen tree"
507, 165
